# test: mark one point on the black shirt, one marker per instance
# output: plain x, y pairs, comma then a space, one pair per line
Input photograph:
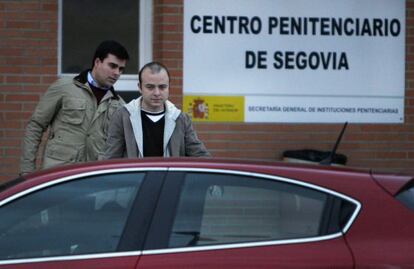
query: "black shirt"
153, 133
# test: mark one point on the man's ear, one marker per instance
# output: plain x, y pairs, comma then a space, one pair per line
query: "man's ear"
139, 88
96, 62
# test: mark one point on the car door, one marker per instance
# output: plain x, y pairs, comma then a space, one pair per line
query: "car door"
222, 219
95, 221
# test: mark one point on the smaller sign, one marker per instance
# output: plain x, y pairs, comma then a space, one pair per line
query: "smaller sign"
214, 108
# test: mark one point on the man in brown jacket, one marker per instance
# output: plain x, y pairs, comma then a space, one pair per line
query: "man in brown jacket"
76, 112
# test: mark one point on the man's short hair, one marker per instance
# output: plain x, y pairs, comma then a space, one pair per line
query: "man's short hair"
110, 47
155, 68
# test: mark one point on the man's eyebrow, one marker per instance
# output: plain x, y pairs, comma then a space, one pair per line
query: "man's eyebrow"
116, 65
162, 85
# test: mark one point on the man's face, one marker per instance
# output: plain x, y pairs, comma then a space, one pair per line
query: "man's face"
154, 90
107, 72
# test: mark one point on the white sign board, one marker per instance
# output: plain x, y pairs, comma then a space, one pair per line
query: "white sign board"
298, 60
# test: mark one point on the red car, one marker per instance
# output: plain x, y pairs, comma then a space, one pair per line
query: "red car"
206, 213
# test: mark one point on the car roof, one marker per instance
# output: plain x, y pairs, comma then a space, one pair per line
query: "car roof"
191, 162
339, 178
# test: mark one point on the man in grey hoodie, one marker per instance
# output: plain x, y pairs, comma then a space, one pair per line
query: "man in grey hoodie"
151, 125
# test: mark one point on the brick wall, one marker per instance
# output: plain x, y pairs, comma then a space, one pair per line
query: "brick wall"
28, 64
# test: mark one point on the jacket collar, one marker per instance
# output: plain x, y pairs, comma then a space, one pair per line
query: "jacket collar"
171, 111
83, 79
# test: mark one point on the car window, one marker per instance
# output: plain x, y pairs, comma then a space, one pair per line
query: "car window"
406, 196
81, 216
222, 208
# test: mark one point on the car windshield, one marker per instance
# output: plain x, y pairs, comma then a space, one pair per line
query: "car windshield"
10, 183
